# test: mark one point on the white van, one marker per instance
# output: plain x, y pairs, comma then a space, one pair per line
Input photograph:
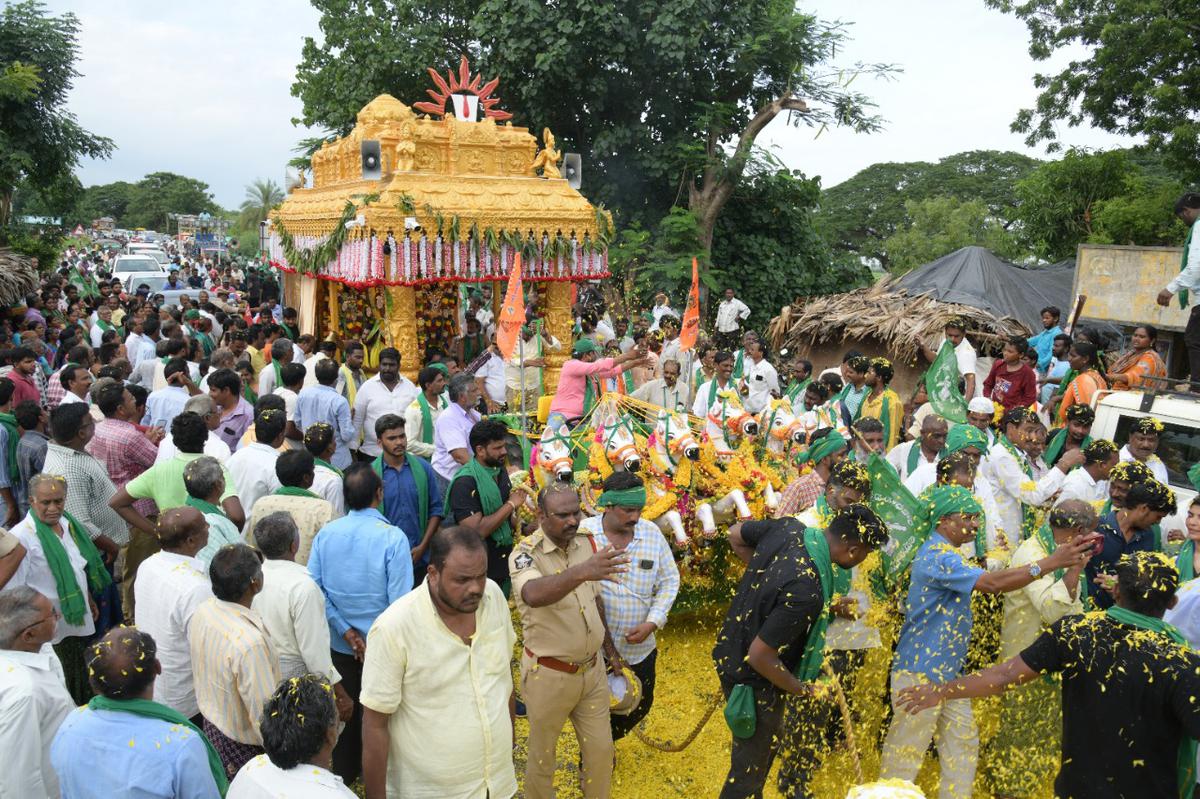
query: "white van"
1178, 446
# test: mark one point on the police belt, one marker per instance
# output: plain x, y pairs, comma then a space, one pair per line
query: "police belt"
560, 665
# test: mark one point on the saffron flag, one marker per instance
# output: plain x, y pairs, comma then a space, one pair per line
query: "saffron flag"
691, 316
902, 513
941, 386
512, 313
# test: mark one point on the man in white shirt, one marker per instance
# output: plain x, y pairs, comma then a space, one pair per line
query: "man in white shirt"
423, 413
77, 380
491, 378
386, 392
103, 323
203, 406
528, 379
1090, 481
437, 682
922, 454
170, 585
326, 350
760, 380
667, 391
268, 378
731, 312
320, 442
1187, 209
723, 381
33, 695
1143, 444
964, 354
252, 467
139, 345
292, 606
292, 377
163, 405
661, 309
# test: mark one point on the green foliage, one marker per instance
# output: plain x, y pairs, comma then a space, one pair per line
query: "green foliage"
1059, 198
861, 213
109, 199
1144, 216
940, 225
158, 194
768, 249
40, 141
1139, 74
261, 197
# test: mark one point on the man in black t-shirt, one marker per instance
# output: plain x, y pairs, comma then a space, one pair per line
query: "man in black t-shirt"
491, 513
1130, 686
778, 601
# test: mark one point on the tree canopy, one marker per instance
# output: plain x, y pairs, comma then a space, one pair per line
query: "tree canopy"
941, 225
1140, 74
41, 142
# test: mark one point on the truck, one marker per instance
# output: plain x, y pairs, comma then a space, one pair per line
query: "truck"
1178, 446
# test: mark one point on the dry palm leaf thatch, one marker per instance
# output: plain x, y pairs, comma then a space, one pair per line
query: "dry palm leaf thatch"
890, 315
18, 277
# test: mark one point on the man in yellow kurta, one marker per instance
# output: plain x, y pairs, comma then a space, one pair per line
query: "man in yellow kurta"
882, 402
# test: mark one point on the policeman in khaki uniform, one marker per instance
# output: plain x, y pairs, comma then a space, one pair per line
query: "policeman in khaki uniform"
554, 576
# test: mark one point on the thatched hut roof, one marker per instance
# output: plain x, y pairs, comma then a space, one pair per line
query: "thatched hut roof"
18, 277
885, 313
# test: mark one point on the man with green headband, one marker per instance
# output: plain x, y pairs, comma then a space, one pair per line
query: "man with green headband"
937, 629
826, 448
579, 382
770, 648
637, 606
166, 755
1027, 744
1129, 682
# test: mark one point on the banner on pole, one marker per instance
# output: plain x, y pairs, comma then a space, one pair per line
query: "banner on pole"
691, 316
512, 313
941, 386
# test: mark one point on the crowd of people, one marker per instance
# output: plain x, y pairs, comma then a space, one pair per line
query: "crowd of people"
239, 563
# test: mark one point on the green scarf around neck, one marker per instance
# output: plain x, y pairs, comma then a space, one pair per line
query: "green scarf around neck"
205, 507
426, 419
1186, 561
1185, 763
329, 466
149, 709
795, 392
1054, 449
809, 667
296, 491
1045, 537
488, 491
9, 423
914, 457
71, 596
278, 372
422, 482
738, 363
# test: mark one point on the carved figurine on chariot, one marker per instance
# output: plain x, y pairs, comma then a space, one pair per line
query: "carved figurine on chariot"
547, 160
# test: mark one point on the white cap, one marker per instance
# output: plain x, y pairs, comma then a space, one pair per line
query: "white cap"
981, 405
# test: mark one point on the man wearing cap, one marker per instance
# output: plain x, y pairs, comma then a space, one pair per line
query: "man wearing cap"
556, 580
579, 382
636, 606
824, 451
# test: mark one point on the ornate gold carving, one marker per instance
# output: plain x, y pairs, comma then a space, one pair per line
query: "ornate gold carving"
547, 160
559, 324
402, 328
406, 148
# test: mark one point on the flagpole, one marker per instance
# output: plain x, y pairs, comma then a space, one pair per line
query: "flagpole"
524, 419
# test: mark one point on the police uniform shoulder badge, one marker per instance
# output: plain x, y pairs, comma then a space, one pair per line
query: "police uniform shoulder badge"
523, 561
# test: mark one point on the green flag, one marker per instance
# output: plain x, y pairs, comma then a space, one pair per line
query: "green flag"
85, 284
900, 511
941, 385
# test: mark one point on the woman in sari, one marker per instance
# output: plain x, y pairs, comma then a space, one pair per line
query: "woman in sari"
1088, 379
1139, 362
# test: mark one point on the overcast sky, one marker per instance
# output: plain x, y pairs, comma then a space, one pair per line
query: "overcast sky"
203, 89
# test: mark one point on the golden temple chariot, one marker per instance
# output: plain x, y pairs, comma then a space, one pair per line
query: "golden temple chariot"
457, 197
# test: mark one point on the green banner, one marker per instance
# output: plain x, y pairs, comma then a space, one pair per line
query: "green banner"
941, 385
900, 511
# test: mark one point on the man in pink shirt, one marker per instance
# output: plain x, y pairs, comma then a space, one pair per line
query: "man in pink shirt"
570, 402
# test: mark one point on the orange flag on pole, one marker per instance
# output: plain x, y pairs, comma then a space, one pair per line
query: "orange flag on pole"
512, 313
691, 316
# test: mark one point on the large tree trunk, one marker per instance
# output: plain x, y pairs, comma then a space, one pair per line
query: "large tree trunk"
5, 207
721, 177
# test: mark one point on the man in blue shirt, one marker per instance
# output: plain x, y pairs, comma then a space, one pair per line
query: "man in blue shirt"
935, 635
1043, 342
411, 500
1133, 528
321, 403
123, 743
362, 564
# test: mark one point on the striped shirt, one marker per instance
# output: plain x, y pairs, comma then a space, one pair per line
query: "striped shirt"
644, 593
235, 667
89, 488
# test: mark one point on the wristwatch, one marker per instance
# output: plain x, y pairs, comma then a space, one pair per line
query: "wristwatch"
1035, 571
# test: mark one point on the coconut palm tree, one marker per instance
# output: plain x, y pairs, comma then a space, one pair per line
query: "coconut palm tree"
261, 197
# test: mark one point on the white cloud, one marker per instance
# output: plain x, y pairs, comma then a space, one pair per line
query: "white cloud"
203, 89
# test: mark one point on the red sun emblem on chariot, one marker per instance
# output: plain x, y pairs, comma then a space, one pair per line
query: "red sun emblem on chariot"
465, 94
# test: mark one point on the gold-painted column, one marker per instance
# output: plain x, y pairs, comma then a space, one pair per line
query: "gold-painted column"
560, 324
402, 328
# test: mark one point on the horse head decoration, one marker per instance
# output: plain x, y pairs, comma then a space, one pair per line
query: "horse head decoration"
615, 434
727, 419
551, 456
673, 440
780, 426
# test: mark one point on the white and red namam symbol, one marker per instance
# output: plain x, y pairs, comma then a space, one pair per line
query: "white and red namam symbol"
465, 94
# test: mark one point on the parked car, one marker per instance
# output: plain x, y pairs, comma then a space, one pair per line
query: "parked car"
126, 264
155, 282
